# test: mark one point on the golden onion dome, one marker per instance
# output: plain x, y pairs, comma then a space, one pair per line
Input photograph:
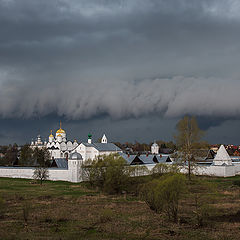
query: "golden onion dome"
60, 130
51, 134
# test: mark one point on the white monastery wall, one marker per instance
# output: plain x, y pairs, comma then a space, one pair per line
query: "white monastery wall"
74, 173
218, 171
16, 172
55, 174
58, 174
237, 168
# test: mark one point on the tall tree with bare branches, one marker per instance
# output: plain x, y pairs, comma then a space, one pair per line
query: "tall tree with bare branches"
188, 140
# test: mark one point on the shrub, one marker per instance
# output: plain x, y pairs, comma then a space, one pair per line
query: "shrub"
109, 173
116, 176
162, 168
163, 195
173, 168
138, 170
148, 193
159, 169
202, 199
93, 172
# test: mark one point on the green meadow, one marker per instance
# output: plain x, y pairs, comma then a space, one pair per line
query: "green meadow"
63, 210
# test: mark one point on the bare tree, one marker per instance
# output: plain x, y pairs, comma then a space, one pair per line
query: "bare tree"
188, 139
41, 173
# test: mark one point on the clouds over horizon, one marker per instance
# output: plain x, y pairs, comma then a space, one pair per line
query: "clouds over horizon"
82, 100
123, 59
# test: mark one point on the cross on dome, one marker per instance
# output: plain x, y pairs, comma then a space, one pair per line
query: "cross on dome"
60, 130
51, 135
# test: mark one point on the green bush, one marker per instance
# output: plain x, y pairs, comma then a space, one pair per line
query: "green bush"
109, 173
148, 193
138, 170
116, 175
159, 169
163, 195
163, 168
203, 195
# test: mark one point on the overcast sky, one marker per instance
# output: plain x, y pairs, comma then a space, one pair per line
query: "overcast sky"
129, 68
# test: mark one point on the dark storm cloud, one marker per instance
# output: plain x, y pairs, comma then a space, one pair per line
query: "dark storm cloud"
126, 59
122, 99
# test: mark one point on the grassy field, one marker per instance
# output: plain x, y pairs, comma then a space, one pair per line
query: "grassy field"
62, 210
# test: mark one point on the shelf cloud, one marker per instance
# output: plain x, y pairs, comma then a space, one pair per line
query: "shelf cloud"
123, 59
121, 99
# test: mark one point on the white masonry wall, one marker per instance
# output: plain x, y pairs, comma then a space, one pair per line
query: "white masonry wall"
74, 173
55, 174
217, 171
237, 168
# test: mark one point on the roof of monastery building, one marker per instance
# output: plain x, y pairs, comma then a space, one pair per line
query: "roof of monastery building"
145, 159
60, 163
103, 146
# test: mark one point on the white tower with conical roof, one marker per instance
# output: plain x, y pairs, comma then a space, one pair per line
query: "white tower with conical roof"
222, 157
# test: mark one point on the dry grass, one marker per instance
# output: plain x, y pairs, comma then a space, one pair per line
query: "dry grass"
70, 211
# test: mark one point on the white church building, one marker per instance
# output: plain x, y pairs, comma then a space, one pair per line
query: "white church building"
61, 148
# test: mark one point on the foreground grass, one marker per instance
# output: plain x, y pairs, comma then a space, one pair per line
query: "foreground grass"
29, 188
62, 210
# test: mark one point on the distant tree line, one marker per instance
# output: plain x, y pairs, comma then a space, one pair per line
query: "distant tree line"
10, 155
24, 156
